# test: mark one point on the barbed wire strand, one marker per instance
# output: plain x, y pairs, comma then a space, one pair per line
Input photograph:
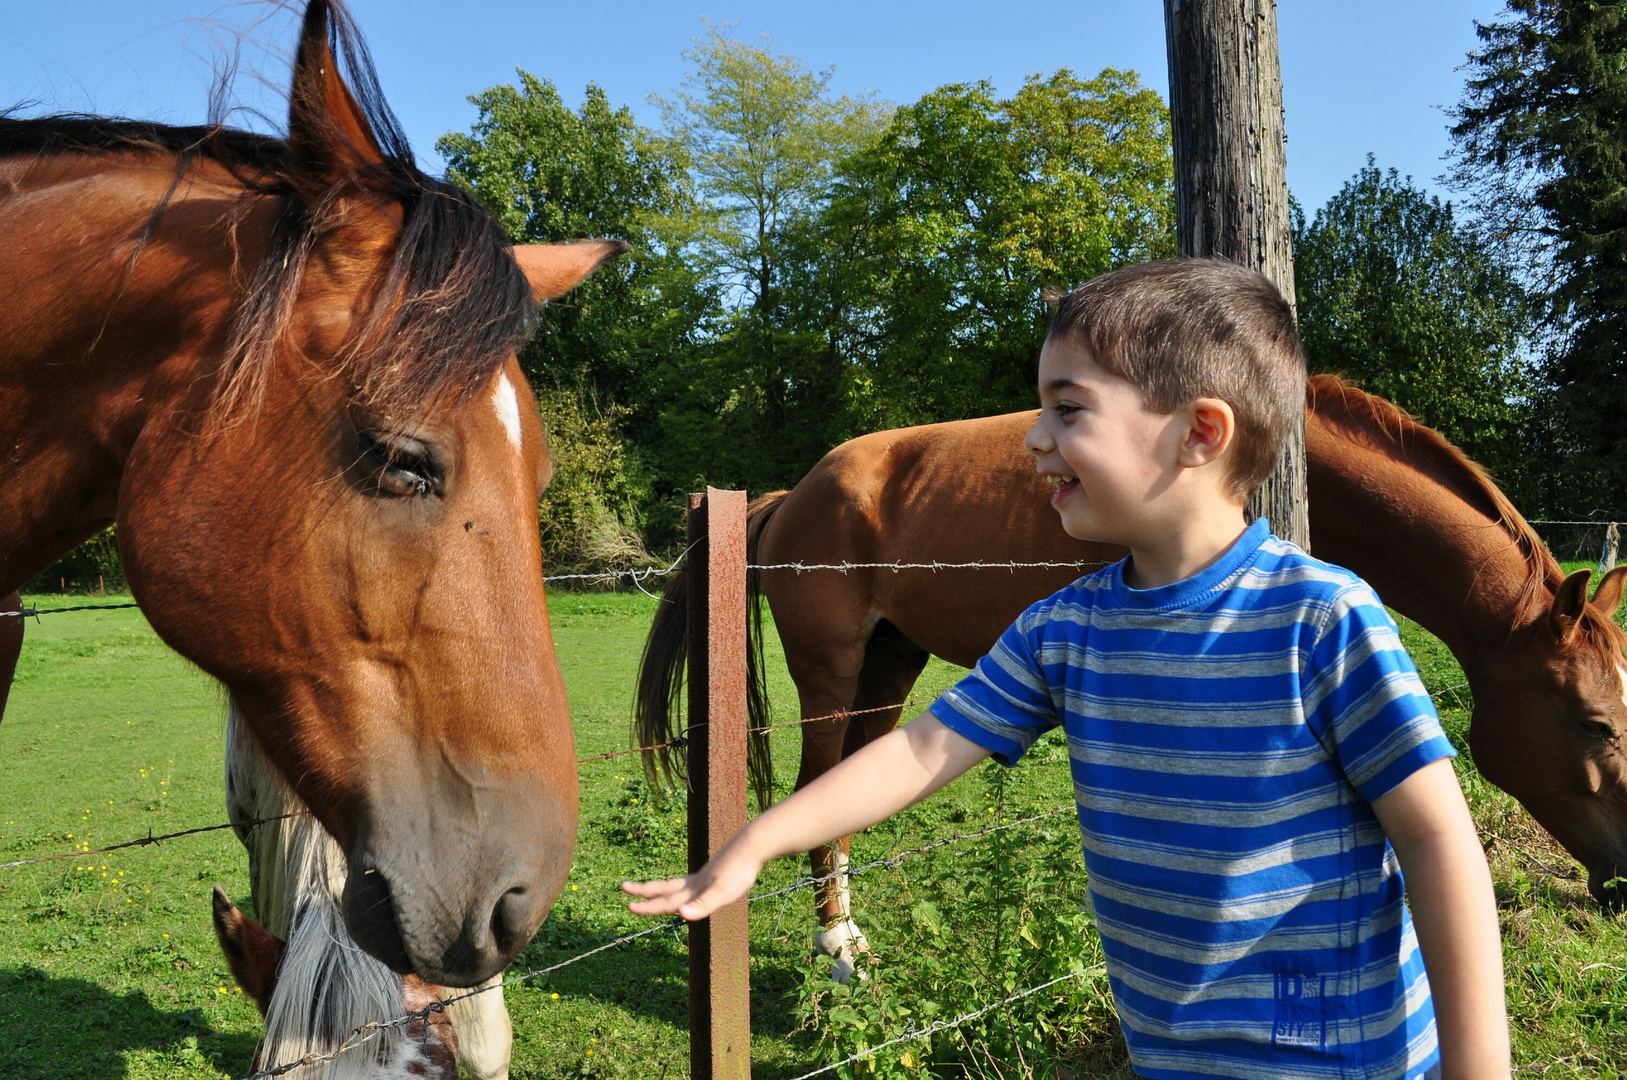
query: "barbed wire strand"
845, 566
636, 575
151, 839
365, 1034
944, 1025
35, 613
892, 861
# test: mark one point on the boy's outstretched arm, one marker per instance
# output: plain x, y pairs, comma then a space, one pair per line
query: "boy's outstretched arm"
1455, 913
901, 768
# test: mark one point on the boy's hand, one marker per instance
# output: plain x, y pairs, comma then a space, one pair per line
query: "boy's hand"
722, 881
889, 774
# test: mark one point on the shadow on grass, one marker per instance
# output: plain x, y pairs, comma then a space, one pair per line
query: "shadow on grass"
57, 1027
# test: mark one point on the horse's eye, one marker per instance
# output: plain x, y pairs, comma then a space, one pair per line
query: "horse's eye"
1597, 729
396, 466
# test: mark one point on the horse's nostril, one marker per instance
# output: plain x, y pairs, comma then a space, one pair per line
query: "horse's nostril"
511, 921
370, 918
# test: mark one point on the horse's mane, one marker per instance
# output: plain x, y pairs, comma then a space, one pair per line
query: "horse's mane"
1383, 419
450, 302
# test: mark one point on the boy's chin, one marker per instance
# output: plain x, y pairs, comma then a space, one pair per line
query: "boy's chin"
1080, 527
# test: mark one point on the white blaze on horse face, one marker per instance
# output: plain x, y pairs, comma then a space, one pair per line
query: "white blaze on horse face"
1621, 677
507, 404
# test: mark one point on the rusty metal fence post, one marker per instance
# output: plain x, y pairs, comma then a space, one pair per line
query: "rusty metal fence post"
719, 971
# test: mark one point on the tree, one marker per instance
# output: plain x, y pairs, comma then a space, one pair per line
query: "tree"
1541, 140
924, 278
762, 136
1231, 179
1397, 295
550, 173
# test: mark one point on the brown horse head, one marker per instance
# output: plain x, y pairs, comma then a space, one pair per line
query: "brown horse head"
288, 370
1399, 504
1558, 749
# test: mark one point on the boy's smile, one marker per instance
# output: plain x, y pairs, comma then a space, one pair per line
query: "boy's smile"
1125, 473
1107, 455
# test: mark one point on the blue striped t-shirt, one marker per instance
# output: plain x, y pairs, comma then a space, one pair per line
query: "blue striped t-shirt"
1227, 736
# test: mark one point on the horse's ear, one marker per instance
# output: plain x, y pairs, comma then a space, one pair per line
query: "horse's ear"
252, 952
556, 269
329, 137
1565, 616
1608, 596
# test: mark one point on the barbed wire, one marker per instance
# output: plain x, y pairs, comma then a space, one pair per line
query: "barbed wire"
366, 1033
151, 839
845, 566
944, 1025
892, 861
35, 613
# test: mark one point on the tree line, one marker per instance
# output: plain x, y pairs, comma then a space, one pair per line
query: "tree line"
808, 267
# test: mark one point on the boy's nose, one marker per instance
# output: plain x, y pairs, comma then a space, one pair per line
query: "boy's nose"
1038, 441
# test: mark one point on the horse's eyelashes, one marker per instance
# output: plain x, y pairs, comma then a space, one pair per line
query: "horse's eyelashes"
397, 466
1597, 729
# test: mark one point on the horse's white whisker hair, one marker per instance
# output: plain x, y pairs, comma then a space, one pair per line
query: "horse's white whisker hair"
298, 872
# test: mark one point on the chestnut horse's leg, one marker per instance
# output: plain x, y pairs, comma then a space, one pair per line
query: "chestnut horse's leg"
11, 645
892, 663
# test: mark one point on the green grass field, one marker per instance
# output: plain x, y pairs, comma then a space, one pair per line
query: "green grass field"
108, 966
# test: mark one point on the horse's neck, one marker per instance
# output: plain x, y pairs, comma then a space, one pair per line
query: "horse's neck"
94, 340
1405, 517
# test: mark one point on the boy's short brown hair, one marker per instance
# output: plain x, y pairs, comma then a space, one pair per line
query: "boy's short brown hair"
1180, 329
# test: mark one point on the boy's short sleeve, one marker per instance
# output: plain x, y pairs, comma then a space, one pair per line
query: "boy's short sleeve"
1360, 688
1004, 704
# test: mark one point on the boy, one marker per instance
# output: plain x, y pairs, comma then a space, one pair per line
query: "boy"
1254, 759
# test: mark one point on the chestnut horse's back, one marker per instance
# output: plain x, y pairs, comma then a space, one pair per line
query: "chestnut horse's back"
922, 495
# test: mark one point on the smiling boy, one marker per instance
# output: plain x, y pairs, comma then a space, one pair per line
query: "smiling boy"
1255, 762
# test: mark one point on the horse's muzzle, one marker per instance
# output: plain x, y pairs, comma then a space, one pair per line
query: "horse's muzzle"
1607, 882
467, 952
451, 888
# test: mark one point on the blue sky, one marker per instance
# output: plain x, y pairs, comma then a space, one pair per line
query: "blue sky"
1357, 77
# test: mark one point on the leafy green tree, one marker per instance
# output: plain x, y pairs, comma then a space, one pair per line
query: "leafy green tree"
942, 238
1541, 139
1397, 295
551, 173
763, 136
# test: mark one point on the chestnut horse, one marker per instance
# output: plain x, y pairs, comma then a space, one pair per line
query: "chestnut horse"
286, 368
1389, 498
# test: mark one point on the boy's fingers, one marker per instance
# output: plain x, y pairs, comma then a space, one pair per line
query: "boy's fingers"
653, 888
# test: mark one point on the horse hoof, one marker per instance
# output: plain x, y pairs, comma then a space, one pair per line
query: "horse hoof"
843, 942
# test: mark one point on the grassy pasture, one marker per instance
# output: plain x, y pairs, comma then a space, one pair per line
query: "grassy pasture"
110, 735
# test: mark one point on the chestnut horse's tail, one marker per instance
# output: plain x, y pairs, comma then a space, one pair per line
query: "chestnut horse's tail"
666, 655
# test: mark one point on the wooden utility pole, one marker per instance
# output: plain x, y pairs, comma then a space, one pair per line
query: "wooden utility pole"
1231, 177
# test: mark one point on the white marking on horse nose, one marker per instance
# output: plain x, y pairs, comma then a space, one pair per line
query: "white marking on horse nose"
507, 405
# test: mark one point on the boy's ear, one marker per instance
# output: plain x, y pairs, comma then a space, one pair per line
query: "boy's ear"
1211, 426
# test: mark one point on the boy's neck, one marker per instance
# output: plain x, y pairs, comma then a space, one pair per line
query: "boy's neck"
1182, 549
